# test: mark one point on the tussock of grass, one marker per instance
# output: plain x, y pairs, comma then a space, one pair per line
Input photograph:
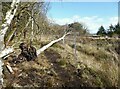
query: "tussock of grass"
62, 62
99, 54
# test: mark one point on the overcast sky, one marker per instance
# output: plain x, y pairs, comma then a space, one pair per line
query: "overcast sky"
91, 14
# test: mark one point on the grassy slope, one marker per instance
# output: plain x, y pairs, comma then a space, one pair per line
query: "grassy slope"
57, 66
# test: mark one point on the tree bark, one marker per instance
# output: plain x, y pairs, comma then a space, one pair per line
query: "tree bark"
32, 35
24, 30
8, 18
51, 43
5, 52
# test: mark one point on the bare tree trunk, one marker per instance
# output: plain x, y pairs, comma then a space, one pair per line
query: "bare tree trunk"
63, 41
75, 54
32, 35
8, 18
24, 30
51, 43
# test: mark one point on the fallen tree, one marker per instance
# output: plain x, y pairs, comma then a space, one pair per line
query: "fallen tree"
9, 50
5, 51
51, 43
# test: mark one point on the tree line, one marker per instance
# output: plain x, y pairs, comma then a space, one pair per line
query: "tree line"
112, 31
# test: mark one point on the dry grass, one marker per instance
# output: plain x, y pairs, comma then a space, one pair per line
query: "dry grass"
57, 67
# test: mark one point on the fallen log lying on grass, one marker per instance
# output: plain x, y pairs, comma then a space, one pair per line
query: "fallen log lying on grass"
7, 51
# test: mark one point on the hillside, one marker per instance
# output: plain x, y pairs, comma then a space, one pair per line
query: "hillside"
38, 50
96, 65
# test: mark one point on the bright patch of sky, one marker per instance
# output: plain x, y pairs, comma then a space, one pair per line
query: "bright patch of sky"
91, 14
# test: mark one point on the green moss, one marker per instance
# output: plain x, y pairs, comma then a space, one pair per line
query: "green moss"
62, 62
